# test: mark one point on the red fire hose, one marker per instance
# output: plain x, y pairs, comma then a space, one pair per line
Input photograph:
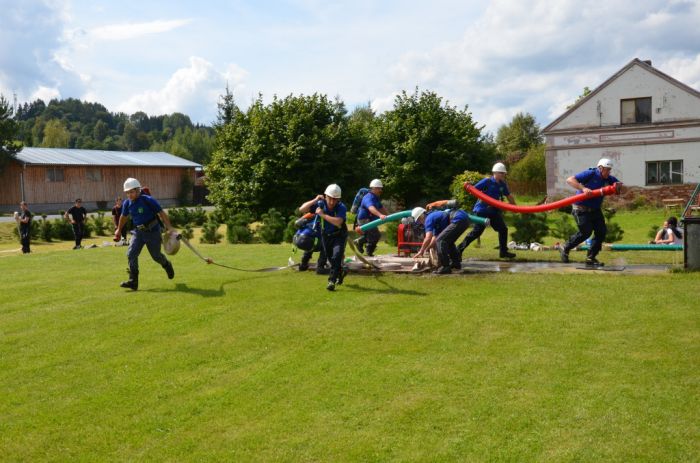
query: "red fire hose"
605, 191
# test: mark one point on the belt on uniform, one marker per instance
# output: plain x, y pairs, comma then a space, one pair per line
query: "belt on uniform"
148, 226
581, 208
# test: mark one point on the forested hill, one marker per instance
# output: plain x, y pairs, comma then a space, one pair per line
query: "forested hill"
72, 123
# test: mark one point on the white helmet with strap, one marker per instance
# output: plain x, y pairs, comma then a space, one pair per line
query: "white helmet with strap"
376, 183
605, 162
499, 167
333, 191
417, 212
131, 183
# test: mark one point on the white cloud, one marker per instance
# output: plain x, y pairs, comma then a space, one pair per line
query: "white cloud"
45, 93
193, 90
536, 56
134, 30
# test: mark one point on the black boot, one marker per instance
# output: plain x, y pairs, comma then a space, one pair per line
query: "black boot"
168, 266
304, 264
506, 255
343, 274
132, 282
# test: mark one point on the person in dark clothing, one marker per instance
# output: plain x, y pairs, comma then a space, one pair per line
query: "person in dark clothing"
497, 188
77, 216
24, 219
144, 212
587, 213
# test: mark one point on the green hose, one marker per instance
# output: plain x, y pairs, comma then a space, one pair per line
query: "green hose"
640, 247
400, 215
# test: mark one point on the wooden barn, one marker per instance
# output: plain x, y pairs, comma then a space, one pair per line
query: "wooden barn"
51, 179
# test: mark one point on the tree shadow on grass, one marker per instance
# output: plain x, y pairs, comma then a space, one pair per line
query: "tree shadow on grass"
387, 290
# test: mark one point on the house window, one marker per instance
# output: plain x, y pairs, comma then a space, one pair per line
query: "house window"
54, 174
94, 175
664, 172
635, 111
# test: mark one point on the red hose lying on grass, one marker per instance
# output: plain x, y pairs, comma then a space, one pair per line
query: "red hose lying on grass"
605, 191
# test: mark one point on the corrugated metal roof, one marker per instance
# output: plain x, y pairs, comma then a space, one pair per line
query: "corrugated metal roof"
76, 157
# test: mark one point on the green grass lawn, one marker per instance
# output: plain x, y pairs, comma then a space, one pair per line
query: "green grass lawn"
220, 365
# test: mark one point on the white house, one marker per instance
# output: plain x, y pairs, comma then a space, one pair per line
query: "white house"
647, 122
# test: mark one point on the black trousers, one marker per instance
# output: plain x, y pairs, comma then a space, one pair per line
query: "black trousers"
24, 237
306, 257
335, 252
370, 238
78, 228
590, 221
445, 243
497, 223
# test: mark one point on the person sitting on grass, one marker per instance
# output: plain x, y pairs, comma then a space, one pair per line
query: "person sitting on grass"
670, 233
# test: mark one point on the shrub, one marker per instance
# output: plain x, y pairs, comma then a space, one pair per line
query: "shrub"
62, 230
238, 228
640, 201
290, 230
651, 234
529, 228
46, 231
100, 224
563, 226
391, 235
615, 232
210, 232
464, 199
272, 228
199, 215
187, 232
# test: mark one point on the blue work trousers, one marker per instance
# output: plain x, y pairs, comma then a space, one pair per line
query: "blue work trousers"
152, 240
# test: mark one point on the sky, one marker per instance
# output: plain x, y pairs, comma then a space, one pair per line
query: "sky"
497, 58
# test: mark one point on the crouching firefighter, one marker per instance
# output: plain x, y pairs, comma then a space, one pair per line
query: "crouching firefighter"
334, 231
145, 213
308, 239
442, 229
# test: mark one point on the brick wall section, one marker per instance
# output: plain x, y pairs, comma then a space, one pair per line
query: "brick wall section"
655, 194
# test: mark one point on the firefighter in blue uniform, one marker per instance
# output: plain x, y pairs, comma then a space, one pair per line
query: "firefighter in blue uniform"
144, 212
588, 214
334, 230
442, 230
371, 209
497, 188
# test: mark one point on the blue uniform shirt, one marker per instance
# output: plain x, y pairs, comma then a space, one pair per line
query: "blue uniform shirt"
142, 211
592, 180
339, 211
370, 199
436, 222
497, 190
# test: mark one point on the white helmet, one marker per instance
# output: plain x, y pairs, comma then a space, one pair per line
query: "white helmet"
333, 191
499, 167
171, 243
131, 183
417, 212
605, 162
376, 183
